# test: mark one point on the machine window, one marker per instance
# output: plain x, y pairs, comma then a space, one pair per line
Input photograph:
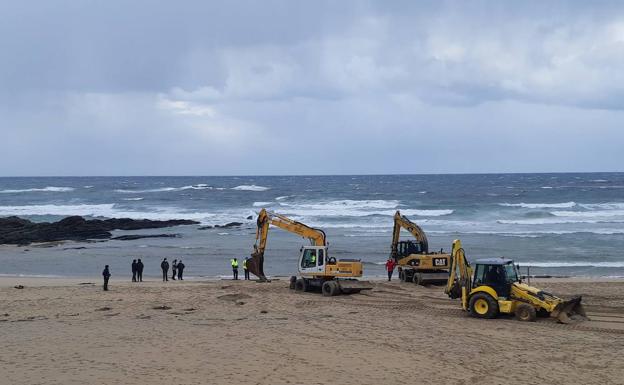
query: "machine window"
309, 258
321, 258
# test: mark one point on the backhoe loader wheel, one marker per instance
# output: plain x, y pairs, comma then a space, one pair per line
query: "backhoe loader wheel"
293, 279
525, 312
300, 285
329, 288
482, 305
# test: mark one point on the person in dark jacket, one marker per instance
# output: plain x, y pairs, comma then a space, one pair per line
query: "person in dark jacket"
180, 270
174, 268
139, 270
164, 265
134, 270
106, 274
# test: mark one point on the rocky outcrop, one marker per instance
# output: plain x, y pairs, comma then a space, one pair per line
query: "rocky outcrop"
225, 226
18, 231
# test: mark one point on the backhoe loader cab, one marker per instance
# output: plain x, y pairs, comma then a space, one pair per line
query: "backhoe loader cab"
498, 273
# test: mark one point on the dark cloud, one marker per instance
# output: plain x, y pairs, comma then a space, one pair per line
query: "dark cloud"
194, 87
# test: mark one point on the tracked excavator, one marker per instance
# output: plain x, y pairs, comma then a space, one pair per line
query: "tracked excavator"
317, 270
492, 286
415, 262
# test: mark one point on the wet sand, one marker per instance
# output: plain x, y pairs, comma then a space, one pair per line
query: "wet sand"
62, 331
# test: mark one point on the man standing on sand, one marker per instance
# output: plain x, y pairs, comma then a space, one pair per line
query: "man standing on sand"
180, 270
174, 266
140, 271
245, 269
106, 274
234, 263
164, 265
390, 264
134, 270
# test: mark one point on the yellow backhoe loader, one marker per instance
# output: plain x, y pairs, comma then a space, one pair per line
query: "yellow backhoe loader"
317, 270
415, 262
493, 286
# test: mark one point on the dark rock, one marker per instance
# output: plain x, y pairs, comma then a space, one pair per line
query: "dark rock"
227, 225
250, 217
141, 236
18, 231
19, 286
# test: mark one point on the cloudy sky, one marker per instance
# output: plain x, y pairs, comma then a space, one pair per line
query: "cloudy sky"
310, 87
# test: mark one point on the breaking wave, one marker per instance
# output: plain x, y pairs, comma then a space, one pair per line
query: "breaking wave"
251, 187
110, 210
166, 189
572, 264
44, 189
540, 205
355, 208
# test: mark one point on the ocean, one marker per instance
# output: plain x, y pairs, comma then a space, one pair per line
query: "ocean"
558, 224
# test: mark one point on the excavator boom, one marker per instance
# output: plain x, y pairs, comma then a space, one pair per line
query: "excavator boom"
266, 218
401, 221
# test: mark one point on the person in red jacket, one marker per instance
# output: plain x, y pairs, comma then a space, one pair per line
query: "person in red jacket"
390, 264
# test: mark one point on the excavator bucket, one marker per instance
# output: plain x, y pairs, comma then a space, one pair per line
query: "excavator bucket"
570, 311
255, 265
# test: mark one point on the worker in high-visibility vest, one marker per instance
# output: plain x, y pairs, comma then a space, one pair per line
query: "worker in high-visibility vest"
234, 263
245, 269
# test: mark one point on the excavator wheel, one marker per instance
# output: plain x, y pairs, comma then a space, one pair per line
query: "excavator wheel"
329, 288
482, 305
300, 285
293, 280
525, 312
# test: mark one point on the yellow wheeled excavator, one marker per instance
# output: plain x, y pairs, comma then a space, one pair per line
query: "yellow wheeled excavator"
415, 262
492, 286
317, 270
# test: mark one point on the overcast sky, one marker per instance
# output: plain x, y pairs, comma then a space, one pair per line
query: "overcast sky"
310, 87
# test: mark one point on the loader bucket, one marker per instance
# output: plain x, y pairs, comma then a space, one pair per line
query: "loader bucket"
255, 265
570, 311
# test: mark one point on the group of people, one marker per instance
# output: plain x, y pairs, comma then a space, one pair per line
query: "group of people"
137, 270
177, 270
234, 263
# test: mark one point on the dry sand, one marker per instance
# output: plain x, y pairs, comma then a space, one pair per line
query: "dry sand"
225, 332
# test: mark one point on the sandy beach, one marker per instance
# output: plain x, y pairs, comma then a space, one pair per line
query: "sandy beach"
61, 331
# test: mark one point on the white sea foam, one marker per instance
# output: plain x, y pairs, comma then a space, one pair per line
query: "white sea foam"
133, 199
44, 189
573, 264
261, 204
555, 221
599, 180
200, 186
546, 187
105, 211
282, 198
355, 208
251, 187
540, 205
589, 214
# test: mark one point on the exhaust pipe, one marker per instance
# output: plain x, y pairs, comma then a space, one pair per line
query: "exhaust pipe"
570, 311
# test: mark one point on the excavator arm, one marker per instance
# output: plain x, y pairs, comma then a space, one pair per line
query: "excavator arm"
460, 274
401, 221
266, 218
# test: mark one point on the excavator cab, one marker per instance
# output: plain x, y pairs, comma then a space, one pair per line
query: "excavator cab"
312, 259
406, 248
